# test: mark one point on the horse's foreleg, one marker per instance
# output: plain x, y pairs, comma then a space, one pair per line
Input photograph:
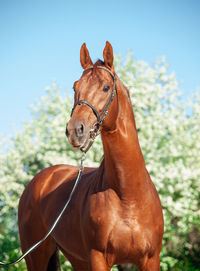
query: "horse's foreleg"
97, 262
31, 231
77, 265
151, 264
43, 258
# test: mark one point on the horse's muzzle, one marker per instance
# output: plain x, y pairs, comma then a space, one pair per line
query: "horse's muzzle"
77, 133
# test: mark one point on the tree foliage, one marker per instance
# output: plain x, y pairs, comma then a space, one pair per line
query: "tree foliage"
169, 137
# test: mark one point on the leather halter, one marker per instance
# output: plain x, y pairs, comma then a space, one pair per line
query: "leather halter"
100, 116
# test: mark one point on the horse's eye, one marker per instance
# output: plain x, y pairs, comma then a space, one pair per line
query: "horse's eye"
106, 88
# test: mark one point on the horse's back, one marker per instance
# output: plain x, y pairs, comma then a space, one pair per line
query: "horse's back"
43, 183
45, 196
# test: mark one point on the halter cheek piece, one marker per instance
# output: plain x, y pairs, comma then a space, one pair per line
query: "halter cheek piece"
100, 116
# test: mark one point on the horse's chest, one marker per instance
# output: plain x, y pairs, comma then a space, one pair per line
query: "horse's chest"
128, 239
122, 241
115, 230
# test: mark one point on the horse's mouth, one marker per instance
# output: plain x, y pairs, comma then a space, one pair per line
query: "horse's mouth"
80, 143
76, 146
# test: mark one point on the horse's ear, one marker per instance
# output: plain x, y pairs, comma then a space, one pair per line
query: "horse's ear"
108, 55
85, 57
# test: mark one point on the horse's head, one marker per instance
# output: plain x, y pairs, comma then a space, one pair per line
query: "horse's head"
95, 103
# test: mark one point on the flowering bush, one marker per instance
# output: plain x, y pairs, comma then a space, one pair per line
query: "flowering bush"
169, 137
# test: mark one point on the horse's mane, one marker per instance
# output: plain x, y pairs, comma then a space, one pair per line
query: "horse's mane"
99, 62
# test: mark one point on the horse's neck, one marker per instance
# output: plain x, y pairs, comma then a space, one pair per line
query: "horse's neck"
124, 162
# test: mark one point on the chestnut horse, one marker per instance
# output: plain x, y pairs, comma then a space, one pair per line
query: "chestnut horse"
115, 215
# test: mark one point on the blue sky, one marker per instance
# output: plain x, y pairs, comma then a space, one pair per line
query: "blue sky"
40, 42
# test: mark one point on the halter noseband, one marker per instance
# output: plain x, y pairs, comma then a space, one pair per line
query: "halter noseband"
100, 116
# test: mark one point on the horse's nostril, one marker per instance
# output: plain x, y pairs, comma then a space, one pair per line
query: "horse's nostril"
67, 132
80, 130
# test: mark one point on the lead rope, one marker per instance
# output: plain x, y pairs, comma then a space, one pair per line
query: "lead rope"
80, 171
